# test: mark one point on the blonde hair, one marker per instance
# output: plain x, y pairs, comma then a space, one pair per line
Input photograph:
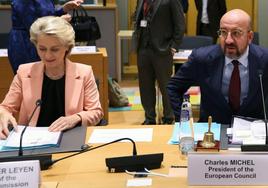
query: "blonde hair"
56, 26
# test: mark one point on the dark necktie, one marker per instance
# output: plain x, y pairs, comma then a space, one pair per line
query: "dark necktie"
235, 88
146, 7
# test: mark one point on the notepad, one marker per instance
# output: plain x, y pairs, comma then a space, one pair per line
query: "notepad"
34, 137
199, 130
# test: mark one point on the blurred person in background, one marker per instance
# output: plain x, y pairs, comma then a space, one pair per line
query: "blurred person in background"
24, 13
208, 17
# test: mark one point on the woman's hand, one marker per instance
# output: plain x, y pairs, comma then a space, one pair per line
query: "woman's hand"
64, 123
6, 119
70, 5
67, 17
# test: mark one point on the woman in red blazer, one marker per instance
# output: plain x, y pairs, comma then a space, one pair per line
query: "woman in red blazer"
67, 90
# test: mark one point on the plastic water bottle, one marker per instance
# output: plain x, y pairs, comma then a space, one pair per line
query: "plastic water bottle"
186, 137
186, 109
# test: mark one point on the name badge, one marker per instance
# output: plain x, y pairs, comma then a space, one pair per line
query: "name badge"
143, 23
227, 169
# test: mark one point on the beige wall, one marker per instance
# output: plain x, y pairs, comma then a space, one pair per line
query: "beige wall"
250, 6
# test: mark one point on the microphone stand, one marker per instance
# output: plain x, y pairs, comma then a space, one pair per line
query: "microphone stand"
258, 147
21, 157
50, 163
37, 104
120, 164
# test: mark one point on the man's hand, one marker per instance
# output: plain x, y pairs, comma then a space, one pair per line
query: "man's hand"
173, 51
64, 123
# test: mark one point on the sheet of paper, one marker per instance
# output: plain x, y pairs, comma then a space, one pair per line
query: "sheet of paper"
3, 52
83, 49
33, 137
108, 135
182, 54
139, 182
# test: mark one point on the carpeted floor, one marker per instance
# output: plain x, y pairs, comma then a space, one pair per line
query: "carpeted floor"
133, 95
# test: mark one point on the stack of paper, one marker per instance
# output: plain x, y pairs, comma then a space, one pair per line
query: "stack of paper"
247, 131
34, 137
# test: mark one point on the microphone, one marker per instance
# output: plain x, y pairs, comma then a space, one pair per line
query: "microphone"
259, 147
120, 164
37, 104
22, 157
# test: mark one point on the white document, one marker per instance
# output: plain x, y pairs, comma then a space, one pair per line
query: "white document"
182, 54
139, 182
3, 53
83, 49
33, 137
248, 132
108, 135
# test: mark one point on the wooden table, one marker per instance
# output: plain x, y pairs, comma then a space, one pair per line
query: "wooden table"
98, 61
89, 169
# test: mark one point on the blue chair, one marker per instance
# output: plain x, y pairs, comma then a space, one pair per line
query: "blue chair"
191, 42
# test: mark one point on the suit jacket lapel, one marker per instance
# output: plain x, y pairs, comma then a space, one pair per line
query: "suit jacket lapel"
155, 5
254, 65
139, 9
73, 87
32, 89
215, 69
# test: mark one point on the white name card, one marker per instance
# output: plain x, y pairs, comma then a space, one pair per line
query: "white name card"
227, 169
24, 174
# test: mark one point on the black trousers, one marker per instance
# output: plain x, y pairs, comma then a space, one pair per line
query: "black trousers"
154, 67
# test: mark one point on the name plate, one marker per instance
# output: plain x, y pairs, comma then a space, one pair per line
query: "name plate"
20, 174
227, 168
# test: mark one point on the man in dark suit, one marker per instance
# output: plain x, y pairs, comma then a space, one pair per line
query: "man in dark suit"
208, 17
227, 74
159, 28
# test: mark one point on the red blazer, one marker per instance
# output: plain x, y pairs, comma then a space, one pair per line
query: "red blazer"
81, 93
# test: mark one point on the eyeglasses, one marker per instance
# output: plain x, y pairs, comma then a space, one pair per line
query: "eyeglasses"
235, 34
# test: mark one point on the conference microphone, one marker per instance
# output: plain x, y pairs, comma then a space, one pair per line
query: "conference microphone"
258, 147
37, 104
22, 157
120, 164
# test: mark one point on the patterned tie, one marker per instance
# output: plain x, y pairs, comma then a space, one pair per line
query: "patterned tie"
235, 88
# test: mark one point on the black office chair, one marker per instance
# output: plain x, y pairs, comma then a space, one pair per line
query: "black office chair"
4, 40
256, 38
191, 42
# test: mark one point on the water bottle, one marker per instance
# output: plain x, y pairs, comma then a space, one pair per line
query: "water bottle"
186, 137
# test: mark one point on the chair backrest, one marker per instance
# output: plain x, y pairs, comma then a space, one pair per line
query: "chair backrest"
191, 42
4, 40
256, 38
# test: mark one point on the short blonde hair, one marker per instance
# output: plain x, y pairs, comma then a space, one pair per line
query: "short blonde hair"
52, 25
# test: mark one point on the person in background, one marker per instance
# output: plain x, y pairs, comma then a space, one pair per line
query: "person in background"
228, 74
208, 17
159, 28
185, 5
68, 90
24, 13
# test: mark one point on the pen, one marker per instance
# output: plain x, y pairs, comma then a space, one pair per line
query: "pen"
176, 166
